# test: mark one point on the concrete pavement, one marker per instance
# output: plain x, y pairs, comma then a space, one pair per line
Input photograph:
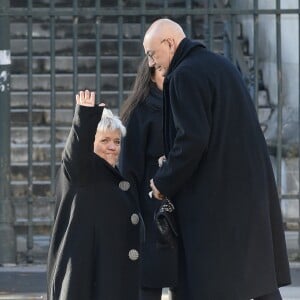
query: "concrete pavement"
23, 296
29, 283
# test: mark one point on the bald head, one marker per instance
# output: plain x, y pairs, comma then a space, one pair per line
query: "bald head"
160, 43
163, 29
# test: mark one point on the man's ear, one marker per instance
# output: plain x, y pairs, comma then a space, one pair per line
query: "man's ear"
172, 44
169, 41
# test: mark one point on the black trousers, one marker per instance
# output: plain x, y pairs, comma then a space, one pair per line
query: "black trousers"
273, 296
154, 294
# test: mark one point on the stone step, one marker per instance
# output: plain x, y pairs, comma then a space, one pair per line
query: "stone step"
40, 153
40, 135
42, 213
39, 189
86, 28
41, 117
39, 243
63, 99
36, 221
85, 47
40, 173
63, 82
64, 64
109, 3
67, 3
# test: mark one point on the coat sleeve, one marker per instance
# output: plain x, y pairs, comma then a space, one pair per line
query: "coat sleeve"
79, 148
132, 157
190, 100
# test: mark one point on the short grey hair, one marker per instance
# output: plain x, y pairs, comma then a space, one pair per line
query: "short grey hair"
109, 121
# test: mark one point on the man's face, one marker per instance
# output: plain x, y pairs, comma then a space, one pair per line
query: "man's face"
159, 53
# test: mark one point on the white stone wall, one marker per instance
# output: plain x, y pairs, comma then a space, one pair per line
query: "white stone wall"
267, 60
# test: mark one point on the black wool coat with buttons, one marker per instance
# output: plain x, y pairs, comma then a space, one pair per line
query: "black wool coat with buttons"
219, 174
94, 248
141, 148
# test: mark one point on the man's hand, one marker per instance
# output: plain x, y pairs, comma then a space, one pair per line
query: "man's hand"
161, 160
155, 192
85, 98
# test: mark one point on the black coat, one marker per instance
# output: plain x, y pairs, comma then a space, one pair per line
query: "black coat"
141, 148
95, 240
219, 174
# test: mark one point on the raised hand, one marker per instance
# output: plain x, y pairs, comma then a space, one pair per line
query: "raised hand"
85, 98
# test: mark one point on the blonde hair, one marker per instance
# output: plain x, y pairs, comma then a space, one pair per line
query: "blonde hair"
109, 121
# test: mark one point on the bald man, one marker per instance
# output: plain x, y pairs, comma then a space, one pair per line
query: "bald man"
218, 174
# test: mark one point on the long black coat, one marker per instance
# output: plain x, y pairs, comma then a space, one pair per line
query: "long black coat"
141, 148
219, 174
94, 248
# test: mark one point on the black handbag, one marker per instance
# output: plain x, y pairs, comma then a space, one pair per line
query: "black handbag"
166, 224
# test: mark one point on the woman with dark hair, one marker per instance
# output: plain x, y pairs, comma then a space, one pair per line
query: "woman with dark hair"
141, 149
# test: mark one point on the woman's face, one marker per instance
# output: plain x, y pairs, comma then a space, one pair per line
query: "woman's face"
107, 145
158, 78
